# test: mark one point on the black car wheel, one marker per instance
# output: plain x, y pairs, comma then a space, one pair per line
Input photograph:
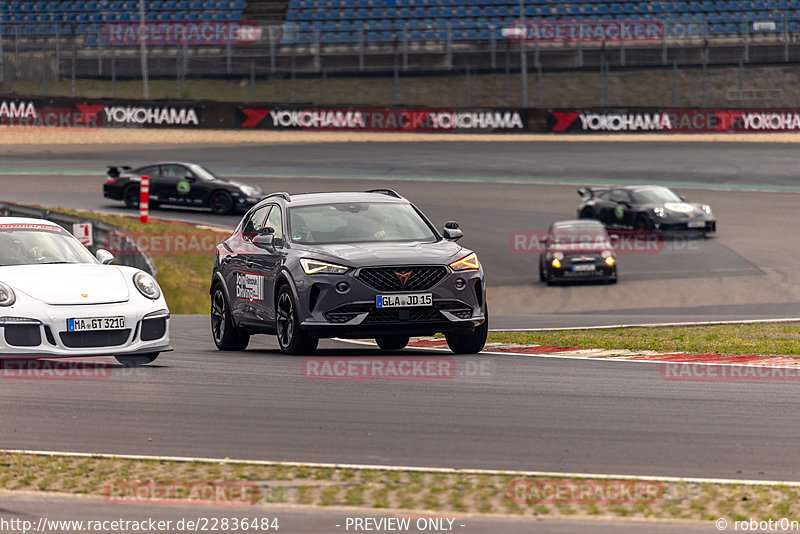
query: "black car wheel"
392, 342
131, 196
135, 360
542, 276
470, 343
613, 278
226, 335
221, 203
587, 213
290, 337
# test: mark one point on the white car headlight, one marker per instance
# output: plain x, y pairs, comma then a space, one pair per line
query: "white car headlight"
659, 211
250, 191
706, 208
321, 267
146, 285
7, 296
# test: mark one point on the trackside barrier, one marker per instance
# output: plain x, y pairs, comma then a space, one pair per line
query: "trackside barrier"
176, 114
101, 233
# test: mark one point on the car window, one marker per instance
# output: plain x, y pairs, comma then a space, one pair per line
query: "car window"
174, 171
619, 195
29, 244
275, 221
655, 195
254, 221
153, 170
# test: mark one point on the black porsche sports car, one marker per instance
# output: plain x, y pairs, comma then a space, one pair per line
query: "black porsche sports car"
180, 184
645, 207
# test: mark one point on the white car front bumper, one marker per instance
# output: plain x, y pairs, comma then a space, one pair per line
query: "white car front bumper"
31, 331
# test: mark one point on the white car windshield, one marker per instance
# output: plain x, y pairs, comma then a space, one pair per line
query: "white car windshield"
358, 222
655, 195
31, 244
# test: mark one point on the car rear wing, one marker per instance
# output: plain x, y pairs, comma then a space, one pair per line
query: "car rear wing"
589, 192
115, 170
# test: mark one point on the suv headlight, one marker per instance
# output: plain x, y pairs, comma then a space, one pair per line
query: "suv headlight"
7, 296
146, 285
321, 267
467, 263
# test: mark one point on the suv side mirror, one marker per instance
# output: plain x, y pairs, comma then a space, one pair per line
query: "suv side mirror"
104, 256
265, 238
451, 231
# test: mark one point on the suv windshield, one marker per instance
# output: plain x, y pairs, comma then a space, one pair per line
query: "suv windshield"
358, 222
30, 244
580, 236
655, 195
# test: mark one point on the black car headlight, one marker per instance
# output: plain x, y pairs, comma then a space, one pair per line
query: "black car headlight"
7, 296
321, 267
147, 285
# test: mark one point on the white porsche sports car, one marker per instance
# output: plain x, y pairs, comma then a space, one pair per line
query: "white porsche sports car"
58, 300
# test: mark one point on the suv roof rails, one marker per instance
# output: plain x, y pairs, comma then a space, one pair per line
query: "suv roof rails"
283, 194
390, 192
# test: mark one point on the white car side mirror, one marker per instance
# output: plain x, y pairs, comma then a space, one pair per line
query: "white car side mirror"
104, 256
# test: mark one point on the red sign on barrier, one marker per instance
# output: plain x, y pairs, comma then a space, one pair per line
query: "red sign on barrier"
144, 199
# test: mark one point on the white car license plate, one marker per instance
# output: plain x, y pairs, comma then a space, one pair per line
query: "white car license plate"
404, 301
583, 267
696, 224
87, 324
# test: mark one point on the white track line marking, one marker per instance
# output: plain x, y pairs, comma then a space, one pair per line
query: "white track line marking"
443, 470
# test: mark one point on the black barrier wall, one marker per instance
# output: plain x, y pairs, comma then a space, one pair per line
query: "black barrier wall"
82, 113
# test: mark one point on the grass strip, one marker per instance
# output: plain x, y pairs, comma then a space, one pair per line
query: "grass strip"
175, 482
761, 339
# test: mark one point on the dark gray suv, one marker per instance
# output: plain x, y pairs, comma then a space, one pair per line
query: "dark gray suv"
359, 265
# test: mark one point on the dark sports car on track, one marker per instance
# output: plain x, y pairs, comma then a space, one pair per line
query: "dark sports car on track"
577, 250
645, 207
362, 265
180, 184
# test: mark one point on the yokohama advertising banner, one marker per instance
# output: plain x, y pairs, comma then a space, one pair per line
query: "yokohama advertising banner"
673, 120
65, 113
385, 119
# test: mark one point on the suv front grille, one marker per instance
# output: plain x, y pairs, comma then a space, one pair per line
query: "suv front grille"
404, 315
417, 278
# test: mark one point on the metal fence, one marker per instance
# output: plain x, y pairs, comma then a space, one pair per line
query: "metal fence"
42, 55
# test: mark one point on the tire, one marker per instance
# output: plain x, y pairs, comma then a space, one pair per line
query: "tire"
226, 335
291, 338
392, 342
587, 213
135, 360
131, 196
613, 278
470, 343
221, 203
643, 223
542, 276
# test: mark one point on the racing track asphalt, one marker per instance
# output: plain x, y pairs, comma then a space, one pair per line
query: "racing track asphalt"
497, 412
749, 270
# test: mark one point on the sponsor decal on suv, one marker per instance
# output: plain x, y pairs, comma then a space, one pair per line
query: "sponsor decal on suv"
249, 286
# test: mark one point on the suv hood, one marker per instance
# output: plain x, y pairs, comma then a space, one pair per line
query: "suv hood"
376, 253
68, 283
